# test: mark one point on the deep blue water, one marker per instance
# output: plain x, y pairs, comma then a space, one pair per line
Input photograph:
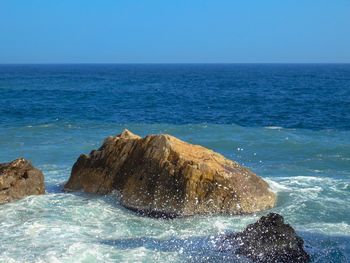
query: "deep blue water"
290, 96
289, 123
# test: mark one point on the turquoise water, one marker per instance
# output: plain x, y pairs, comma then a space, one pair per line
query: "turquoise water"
309, 170
50, 116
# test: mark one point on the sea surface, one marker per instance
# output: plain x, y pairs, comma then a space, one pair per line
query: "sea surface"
288, 123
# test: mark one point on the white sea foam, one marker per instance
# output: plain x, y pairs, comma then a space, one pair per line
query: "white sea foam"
275, 186
273, 127
302, 182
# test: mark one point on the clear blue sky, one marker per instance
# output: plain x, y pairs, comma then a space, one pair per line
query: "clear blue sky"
161, 31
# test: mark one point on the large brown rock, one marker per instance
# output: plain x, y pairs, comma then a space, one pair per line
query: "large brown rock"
161, 175
19, 179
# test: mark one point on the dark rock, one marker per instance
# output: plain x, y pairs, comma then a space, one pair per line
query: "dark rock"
19, 179
269, 240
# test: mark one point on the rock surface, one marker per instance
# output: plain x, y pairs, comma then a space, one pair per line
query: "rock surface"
19, 179
160, 175
269, 240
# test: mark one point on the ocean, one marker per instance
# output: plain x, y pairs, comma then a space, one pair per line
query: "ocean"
289, 123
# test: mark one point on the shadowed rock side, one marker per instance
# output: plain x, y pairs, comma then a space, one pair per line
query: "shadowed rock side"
19, 179
160, 175
268, 240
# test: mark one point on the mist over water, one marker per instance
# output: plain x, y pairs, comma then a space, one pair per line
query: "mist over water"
251, 114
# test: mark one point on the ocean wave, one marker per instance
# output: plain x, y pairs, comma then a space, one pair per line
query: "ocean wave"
273, 127
275, 186
335, 229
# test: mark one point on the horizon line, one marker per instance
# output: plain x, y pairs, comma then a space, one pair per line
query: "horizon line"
172, 63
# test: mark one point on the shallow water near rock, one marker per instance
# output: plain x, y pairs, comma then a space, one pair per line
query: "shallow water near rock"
66, 227
307, 164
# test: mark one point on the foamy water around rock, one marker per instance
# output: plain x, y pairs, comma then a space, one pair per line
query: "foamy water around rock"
309, 170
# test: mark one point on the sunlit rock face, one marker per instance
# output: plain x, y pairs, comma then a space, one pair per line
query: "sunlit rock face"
160, 175
19, 179
269, 240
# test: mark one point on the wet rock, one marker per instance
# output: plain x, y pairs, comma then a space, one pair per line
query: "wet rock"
19, 179
269, 240
160, 175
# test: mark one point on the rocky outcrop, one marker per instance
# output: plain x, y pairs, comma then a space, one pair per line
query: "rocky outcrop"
19, 179
160, 175
269, 240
